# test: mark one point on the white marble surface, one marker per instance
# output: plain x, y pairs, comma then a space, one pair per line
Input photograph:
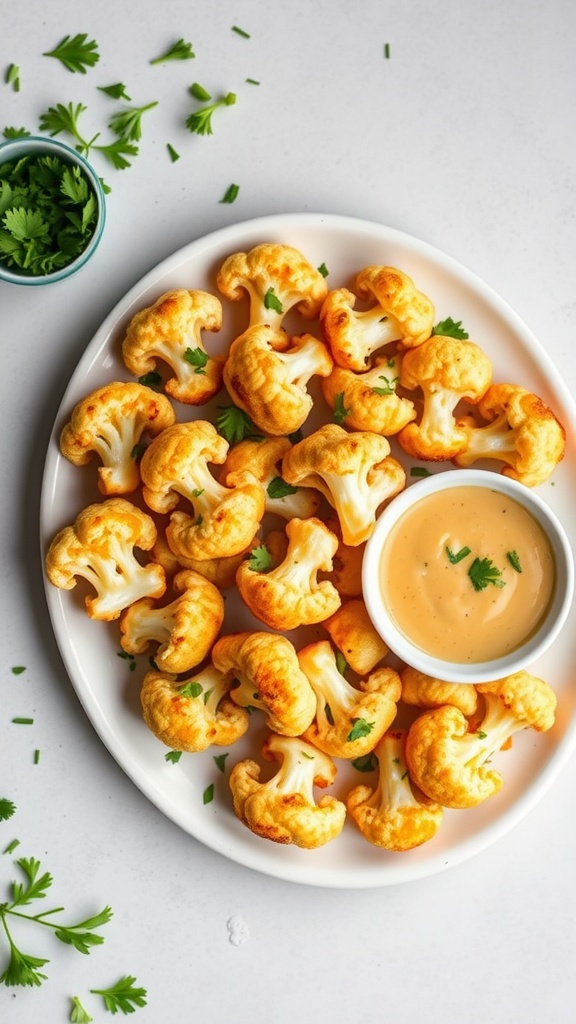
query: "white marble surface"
464, 137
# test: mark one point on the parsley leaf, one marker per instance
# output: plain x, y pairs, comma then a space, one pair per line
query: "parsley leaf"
484, 573
340, 412
230, 194
7, 808
127, 124
173, 756
278, 488
456, 556
116, 91
234, 424
450, 328
191, 689
208, 794
220, 761
389, 386
13, 77
77, 53
260, 559
360, 728
271, 301
15, 133
122, 996
200, 121
514, 560
197, 358
366, 763
78, 1014
181, 50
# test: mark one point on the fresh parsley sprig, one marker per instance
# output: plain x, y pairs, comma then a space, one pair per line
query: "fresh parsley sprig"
483, 573
76, 53
235, 425
450, 328
123, 996
65, 118
127, 124
23, 969
180, 50
200, 121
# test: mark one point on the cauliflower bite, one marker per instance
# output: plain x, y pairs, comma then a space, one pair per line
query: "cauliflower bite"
263, 459
284, 809
354, 472
219, 571
393, 815
268, 676
185, 629
266, 374
346, 572
352, 632
349, 721
290, 595
369, 401
449, 763
111, 422
401, 313
521, 431
276, 278
192, 714
170, 331
446, 370
99, 547
422, 691
225, 519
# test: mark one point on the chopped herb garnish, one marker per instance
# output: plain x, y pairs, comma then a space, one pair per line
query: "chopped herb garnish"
450, 328
76, 53
230, 194
484, 573
66, 119
127, 124
389, 387
78, 1014
191, 689
271, 301
260, 559
36, 757
366, 763
220, 761
387, 50
456, 556
419, 471
323, 269
340, 411
199, 92
12, 846
197, 358
122, 996
341, 663
252, 81
150, 379
200, 121
208, 794
174, 156
360, 728
173, 756
138, 451
116, 91
240, 32
13, 77
23, 721
234, 424
15, 133
514, 560
7, 808
17, 670
181, 50
481, 735
278, 488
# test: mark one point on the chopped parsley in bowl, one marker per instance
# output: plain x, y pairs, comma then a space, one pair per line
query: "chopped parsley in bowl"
52, 211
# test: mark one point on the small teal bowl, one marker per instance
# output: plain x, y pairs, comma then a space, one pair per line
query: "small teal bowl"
15, 149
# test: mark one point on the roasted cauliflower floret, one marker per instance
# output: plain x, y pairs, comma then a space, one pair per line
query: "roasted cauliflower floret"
354, 472
284, 809
99, 547
276, 278
170, 332
369, 401
192, 714
401, 313
449, 763
267, 374
263, 459
346, 572
268, 676
351, 631
219, 571
349, 721
521, 431
290, 595
422, 691
393, 815
225, 519
110, 422
185, 629
447, 370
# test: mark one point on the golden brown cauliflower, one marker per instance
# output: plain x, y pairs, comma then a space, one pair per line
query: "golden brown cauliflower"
369, 401
346, 572
111, 422
263, 459
170, 331
225, 519
284, 809
99, 547
351, 631
268, 676
267, 374
447, 370
276, 278
192, 714
349, 720
521, 431
393, 815
185, 629
219, 571
354, 472
290, 595
450, 764
422, 691
401, 313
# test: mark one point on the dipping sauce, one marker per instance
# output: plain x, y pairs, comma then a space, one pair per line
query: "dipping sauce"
467, 574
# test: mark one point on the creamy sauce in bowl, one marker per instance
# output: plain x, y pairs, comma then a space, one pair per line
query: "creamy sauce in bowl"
467, 574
